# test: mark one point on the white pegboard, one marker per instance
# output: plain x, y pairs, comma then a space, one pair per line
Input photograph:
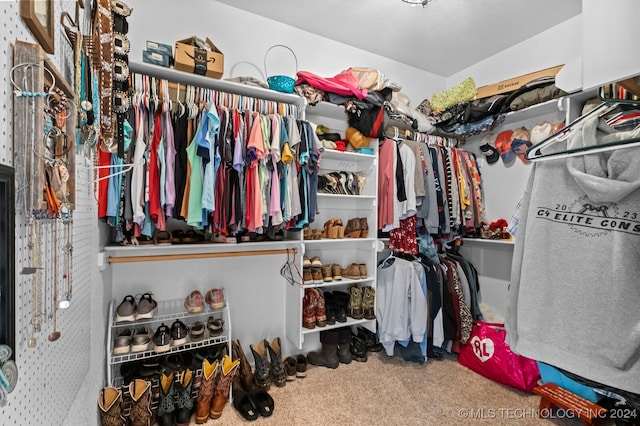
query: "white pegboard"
51, 375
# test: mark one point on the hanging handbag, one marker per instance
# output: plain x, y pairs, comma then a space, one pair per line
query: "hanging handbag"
488, 354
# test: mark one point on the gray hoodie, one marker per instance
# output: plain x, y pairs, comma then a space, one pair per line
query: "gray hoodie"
574, 297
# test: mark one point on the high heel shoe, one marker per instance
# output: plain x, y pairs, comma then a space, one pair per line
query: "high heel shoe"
337, 223
353, 228
364, 227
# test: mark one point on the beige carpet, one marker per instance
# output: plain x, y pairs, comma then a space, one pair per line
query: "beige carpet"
389, 391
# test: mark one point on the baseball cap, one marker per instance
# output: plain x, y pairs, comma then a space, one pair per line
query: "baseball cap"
520, 142
491, 154
503, 145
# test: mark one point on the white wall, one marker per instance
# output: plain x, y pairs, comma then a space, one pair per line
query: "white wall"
246, 37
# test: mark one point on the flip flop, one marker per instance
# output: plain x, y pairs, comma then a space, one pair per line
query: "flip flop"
264, 402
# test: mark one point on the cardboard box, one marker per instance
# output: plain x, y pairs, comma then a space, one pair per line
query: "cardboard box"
188, 57
511, 84
156, 58
165, 49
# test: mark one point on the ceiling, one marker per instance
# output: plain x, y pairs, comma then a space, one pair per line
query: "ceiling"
443, 38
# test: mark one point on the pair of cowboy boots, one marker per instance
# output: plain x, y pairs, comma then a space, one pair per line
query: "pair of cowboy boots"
111, 408
217, 378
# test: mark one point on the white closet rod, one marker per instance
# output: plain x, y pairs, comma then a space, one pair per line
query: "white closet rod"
219, 85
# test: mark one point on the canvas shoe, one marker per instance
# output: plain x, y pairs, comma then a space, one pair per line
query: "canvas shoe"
363, 270
316, 274
141, 339
194, 302
307, 277
179, 333
162, 339
215, 298
147, 307
352, 272
126, 310
122, 343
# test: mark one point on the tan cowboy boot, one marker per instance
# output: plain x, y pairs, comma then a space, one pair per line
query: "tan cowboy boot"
140, 414
110, 406
226, 373
205, 396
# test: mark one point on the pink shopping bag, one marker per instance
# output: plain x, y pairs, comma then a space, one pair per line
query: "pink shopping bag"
487, 354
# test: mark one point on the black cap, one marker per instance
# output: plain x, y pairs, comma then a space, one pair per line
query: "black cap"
490, 152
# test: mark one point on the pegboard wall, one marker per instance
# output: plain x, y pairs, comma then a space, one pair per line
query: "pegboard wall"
51, 374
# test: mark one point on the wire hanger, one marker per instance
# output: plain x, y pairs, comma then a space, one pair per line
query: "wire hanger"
124, 168
534, 153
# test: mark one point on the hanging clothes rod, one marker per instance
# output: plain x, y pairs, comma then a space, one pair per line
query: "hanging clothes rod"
185, 78
188, 256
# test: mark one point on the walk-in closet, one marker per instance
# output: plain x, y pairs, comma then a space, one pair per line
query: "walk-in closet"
416, 212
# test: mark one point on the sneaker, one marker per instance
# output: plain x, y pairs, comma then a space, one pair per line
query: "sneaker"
162, 339
141, 339
126, 310
215, 298
147, 307
352, 272
197, 331
179, 333
194, 302
214, 325
122, 343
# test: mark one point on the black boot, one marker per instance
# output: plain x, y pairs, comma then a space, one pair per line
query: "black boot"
261, 357
344, 345
342, 305
330, 307
328, 356
358, 348
373, 345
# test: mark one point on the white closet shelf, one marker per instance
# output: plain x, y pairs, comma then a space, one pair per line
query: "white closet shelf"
339, 241
336, 283
510, 241
343, 197
327, 110
346, 155
349, 323
182, 77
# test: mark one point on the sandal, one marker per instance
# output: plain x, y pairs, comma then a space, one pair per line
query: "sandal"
264, 401
192, 237
243, 402
178, 234
145, 240
162, 238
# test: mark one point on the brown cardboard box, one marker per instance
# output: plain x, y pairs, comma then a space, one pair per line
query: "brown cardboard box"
511, 84
191, 58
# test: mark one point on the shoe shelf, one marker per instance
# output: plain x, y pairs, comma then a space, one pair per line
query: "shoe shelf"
342, 197
334, 283
132, 356
350, 321
332, 242
168, 310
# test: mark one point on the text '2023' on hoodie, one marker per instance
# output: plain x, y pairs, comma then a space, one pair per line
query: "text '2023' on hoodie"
574, 297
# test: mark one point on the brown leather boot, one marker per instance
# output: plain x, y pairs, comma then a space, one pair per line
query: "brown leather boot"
364, 227
110, 406
140, 414
321, 313
309, 309
246, 375
205, 396
226, 374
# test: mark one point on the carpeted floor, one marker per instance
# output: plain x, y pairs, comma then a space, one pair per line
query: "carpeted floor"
390, 391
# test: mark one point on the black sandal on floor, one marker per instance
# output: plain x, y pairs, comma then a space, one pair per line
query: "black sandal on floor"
264, 401
244, 403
